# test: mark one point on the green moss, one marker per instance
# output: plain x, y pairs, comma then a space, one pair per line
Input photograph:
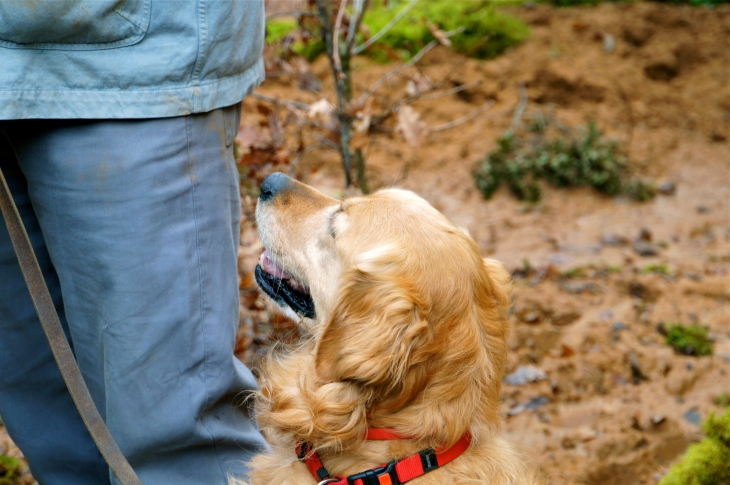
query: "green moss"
578, 272
656, 268
10, 470
695, 3
486, 32
707, 462
522, 159
278, 29
722, 399
689, 339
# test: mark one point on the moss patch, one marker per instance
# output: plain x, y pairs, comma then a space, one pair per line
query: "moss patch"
689, 339
707, 462
10, 470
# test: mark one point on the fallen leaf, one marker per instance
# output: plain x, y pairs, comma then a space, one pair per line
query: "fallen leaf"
321, 107
411, 126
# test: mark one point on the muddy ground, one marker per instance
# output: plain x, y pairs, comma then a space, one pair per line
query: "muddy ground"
614, 405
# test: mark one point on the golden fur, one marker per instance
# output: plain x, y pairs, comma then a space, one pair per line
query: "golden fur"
409, 334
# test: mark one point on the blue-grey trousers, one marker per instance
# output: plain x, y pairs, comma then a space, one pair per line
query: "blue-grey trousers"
136, 227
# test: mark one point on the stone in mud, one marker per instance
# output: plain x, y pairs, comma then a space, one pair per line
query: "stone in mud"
525, 374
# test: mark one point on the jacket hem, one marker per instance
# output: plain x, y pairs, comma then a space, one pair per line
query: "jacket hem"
129, 104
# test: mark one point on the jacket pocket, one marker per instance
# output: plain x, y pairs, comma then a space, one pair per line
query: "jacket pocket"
73, 24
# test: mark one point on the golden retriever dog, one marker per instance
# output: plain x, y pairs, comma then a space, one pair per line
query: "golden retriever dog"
406, 326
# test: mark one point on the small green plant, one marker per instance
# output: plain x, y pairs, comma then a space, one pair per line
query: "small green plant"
577, 272
689, 339
722, 400
706, 462
10, 470
661, 269
523, 158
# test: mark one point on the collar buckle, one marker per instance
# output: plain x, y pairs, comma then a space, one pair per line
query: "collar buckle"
384, 475
429, 460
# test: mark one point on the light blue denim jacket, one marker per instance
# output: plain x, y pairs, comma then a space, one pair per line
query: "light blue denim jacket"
127, 58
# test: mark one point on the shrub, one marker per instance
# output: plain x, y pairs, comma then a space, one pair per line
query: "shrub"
689, 339
706, 462
522, 160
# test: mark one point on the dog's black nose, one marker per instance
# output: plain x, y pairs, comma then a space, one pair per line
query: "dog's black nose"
272, 185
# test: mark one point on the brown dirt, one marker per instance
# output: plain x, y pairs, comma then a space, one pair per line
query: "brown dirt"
616, 398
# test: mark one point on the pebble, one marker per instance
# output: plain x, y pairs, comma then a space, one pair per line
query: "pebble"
531, 317
614, 240
667, 188
645, 249
579, 287
693, 417
534, 403
525, 374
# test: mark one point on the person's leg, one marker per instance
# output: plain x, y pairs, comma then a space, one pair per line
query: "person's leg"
35, 406
141, 220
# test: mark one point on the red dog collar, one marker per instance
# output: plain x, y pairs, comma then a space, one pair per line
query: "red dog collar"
396, 472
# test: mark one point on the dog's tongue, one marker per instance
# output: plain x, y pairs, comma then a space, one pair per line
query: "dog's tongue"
268, 265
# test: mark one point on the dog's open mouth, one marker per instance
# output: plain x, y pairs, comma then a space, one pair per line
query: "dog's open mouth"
282, 287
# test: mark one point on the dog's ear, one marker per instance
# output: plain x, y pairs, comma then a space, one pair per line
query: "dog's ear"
378, 329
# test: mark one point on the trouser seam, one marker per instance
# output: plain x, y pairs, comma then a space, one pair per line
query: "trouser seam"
191, 174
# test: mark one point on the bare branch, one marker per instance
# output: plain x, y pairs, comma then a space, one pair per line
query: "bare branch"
358, 14
461, 120
520, 109
336, 40
417, 57
395, 71
290, 13
457, 89
304, 153
283, 102
341, 87
384, 30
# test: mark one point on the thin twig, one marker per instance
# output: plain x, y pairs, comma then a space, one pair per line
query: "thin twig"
339, 88
520, 109
302, 154
290, 13
355, 21
417, 57
457, 89
385, 29
329, 143
395, 71
461, 120
336, 40
283, 102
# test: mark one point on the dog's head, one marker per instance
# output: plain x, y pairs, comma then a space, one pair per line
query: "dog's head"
398, 298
